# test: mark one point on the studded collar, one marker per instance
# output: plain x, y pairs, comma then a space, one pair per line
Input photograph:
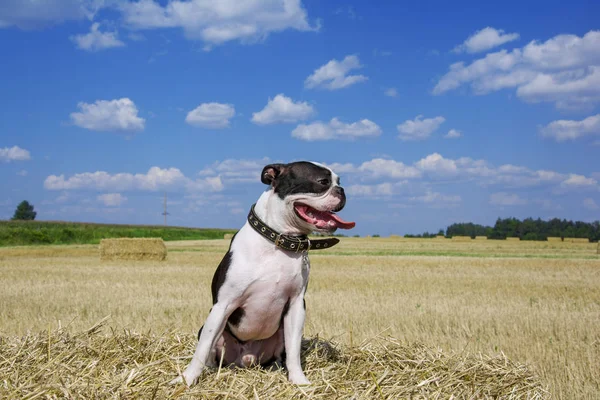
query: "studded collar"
287, 242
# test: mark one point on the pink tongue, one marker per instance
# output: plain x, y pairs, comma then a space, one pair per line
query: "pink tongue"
341, 223
328, 219
323, 219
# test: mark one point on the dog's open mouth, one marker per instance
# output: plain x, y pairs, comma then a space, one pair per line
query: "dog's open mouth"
326, 220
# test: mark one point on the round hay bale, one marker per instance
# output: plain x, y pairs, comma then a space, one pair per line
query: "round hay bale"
121, 364
133, 249
461, 238
576, 240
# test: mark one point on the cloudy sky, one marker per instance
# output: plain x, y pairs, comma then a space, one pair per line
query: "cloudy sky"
432, 112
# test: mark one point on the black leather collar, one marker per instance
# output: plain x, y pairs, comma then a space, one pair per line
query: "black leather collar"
287, 242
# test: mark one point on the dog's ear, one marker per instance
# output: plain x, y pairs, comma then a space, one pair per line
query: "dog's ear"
271, 172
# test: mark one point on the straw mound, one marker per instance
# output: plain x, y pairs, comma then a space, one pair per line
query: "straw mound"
133, 249
128, 365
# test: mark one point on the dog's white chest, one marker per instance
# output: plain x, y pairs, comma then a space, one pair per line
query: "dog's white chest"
272, 278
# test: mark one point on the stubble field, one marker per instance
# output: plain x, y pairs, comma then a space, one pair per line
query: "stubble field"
537, 303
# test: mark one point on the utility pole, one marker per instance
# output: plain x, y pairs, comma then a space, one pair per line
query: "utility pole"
165, 213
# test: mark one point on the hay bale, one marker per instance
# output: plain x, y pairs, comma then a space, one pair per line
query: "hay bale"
440, 237
107, 363
228, 236
576, 240
513, 239
461, 238
554, 239
133, 249
481, 238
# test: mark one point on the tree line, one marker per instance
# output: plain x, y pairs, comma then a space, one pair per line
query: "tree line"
527, 229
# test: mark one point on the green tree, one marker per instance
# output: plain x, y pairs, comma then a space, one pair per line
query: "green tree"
24, 211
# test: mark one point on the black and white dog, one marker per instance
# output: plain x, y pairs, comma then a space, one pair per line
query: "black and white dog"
257, 317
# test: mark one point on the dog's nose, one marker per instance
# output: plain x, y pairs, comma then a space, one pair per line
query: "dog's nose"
339, 191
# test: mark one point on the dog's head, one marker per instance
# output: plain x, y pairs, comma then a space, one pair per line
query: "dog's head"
307, 196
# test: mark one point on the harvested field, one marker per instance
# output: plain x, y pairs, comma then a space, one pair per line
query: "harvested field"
532, 305
133, 249
113, 364
481, 238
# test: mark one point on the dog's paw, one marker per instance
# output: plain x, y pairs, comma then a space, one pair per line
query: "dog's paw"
176, 381
299, 379
187, 378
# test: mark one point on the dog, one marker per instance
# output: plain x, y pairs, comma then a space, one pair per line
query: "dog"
258, 311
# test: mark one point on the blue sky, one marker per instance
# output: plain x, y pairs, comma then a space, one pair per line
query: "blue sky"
432, 113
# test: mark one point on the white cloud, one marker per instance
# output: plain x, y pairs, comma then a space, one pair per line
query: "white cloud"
419, 128
22, 172
109, 115
564, 69
282, 109
217, 22
154, 180
436, 163
342, 167
389, 168
562, 130
334, 74
211, 115
453, 134
336, 129
112, 199
506, 199
234, 170
96, 40
391, 92
15, 153
485, 39
437, 198
438, 168
581, 181
568, 89
32, 14
590, 204
382, 189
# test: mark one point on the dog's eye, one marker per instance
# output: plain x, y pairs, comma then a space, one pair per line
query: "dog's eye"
324, 182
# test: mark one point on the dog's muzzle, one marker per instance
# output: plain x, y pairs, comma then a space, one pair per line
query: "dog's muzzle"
338, 191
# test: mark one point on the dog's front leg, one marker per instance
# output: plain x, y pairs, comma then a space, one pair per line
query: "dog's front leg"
293, 324
213, 327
